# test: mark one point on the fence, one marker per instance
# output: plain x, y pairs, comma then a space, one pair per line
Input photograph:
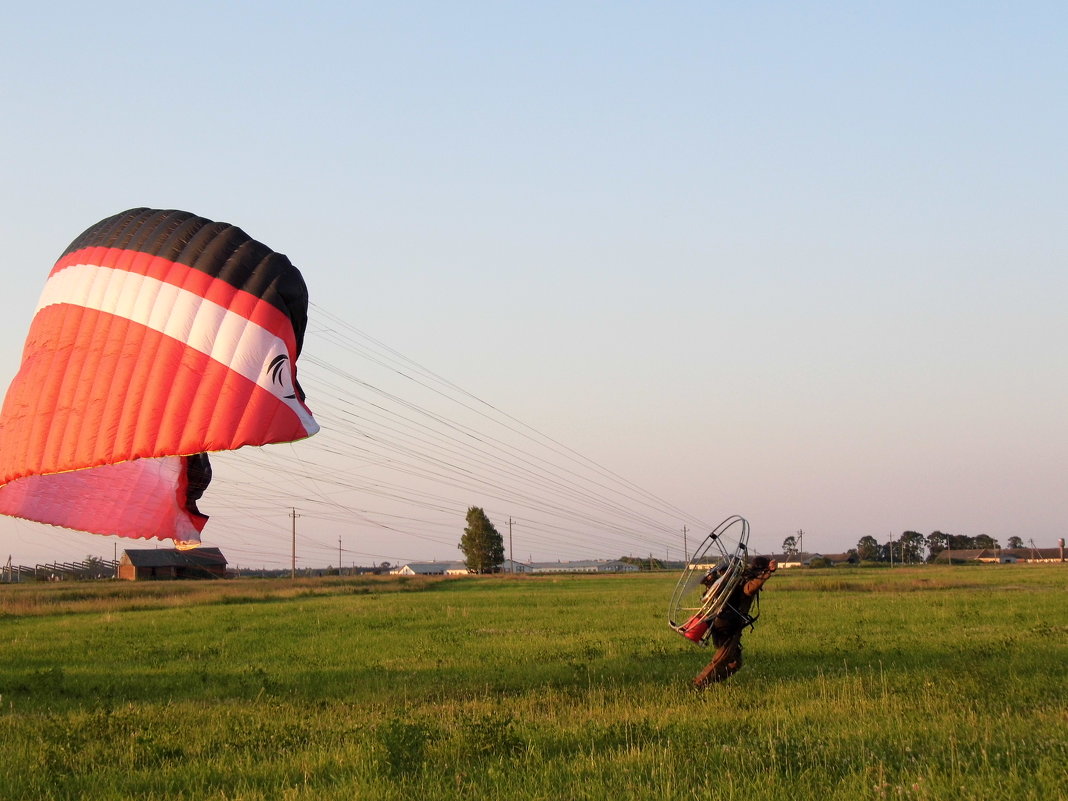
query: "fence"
60, 571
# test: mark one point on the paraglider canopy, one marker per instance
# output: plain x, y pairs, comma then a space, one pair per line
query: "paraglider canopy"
160, 336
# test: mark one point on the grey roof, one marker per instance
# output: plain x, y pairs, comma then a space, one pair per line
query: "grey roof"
1034, 553
172, 557
993, 553
430, 568
579, 564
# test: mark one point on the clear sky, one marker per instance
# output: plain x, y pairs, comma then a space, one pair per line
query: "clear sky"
803, 262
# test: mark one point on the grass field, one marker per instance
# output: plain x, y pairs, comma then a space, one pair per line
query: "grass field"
910, 683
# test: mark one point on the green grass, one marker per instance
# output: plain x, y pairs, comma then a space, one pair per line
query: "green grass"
912, 683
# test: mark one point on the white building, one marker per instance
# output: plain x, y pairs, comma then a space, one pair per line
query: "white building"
429, 569
509, 566
584, 566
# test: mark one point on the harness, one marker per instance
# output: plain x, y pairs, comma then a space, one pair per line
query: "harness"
750, 620
746, 618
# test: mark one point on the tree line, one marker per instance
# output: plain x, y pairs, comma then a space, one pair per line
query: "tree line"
483, 546
913, 547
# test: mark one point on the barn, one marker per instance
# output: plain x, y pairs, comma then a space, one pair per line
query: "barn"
158, 564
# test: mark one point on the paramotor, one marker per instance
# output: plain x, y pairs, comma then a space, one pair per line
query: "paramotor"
711, 574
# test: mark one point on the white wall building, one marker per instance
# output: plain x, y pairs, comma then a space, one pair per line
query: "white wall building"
584, 566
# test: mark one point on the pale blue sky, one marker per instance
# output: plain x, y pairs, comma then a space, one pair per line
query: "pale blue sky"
803, 262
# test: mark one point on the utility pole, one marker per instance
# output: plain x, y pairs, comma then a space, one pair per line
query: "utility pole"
293, 566
511, 557
685, 548
339, 556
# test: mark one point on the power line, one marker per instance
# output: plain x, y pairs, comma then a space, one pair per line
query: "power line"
403, 452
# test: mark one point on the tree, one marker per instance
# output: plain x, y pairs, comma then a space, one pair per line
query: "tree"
986, 541
1015, 542
936, 543
789, 545
482, 545
959, 542
911, 549
868, 549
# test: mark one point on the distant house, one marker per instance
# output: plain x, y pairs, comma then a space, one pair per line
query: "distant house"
1038, 554
169, 563
986, 555
788, 560
510, 566
584, 566
1001, 555
429, 569
460, 568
